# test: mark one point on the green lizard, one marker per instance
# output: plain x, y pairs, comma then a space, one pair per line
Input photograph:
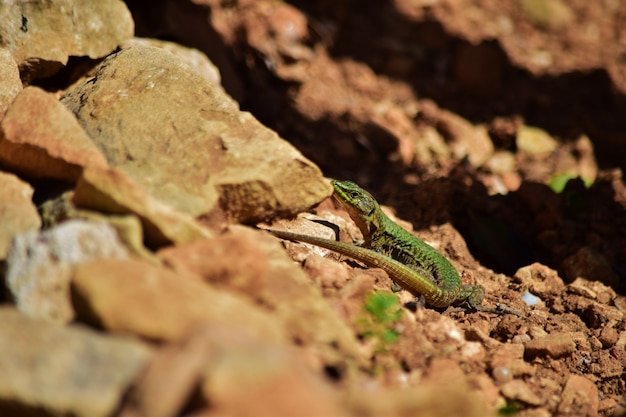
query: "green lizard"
408, 260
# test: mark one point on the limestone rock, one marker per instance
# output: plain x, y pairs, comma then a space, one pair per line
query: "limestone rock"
130, 296
221, 363
39, 266
42, 35
192, 57
580, 396
18, 213
112, 191
40, 138
182, 138
253, 264
554, 345
10, 83
533, 140
63, 370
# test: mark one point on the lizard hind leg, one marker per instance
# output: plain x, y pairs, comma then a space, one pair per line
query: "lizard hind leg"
473, 296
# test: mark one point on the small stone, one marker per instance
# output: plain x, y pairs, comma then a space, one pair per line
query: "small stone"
554, 345
63, 370
608, 335
533, 140
579, 397
520, 391
468, 140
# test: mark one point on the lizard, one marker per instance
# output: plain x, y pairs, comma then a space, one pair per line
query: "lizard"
409, 261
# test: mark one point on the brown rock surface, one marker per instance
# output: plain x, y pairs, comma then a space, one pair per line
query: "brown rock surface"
42, 35
10, 83
183, 139
40, 138
39, 265
17, 211
263, 273
580, 397
50, 369
135, 297
113, 191
426, 104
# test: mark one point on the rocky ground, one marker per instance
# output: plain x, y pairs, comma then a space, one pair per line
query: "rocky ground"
143, 149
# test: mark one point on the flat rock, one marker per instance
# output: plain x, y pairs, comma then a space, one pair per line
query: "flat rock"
554, 345
40, 138
42, 35
39, 265
179, 136
113, 191
63, 370
10, 83
254, 264
223, 363
131, 296
579, 397
19, 214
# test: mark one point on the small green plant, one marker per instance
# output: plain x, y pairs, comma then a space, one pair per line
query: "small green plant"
559, 181
381, 311
509, 409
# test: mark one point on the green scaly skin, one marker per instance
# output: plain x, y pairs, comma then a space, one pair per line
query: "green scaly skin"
408, 260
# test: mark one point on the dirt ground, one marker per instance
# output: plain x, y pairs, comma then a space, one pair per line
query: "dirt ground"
432, 106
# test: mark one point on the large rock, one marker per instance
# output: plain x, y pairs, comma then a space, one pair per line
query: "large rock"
43, 34
39, 265
40, 138
113, 191
10, 83
52, 370
187, 143
18, 212
133, 297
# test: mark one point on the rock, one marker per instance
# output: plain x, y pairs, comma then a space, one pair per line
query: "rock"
19, 214
42, 35
591, 265
136, 297
39, 265
40, 138
63, 370
10, 83
520, 391
183, 139
554, 345
113, 191
223, 364
541, 281
253, 264
579, 397
190, 56
467, 140
533, 140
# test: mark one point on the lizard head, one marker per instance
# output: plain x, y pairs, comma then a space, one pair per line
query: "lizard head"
360, 205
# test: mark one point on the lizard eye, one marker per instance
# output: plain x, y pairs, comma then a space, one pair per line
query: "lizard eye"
354, 194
